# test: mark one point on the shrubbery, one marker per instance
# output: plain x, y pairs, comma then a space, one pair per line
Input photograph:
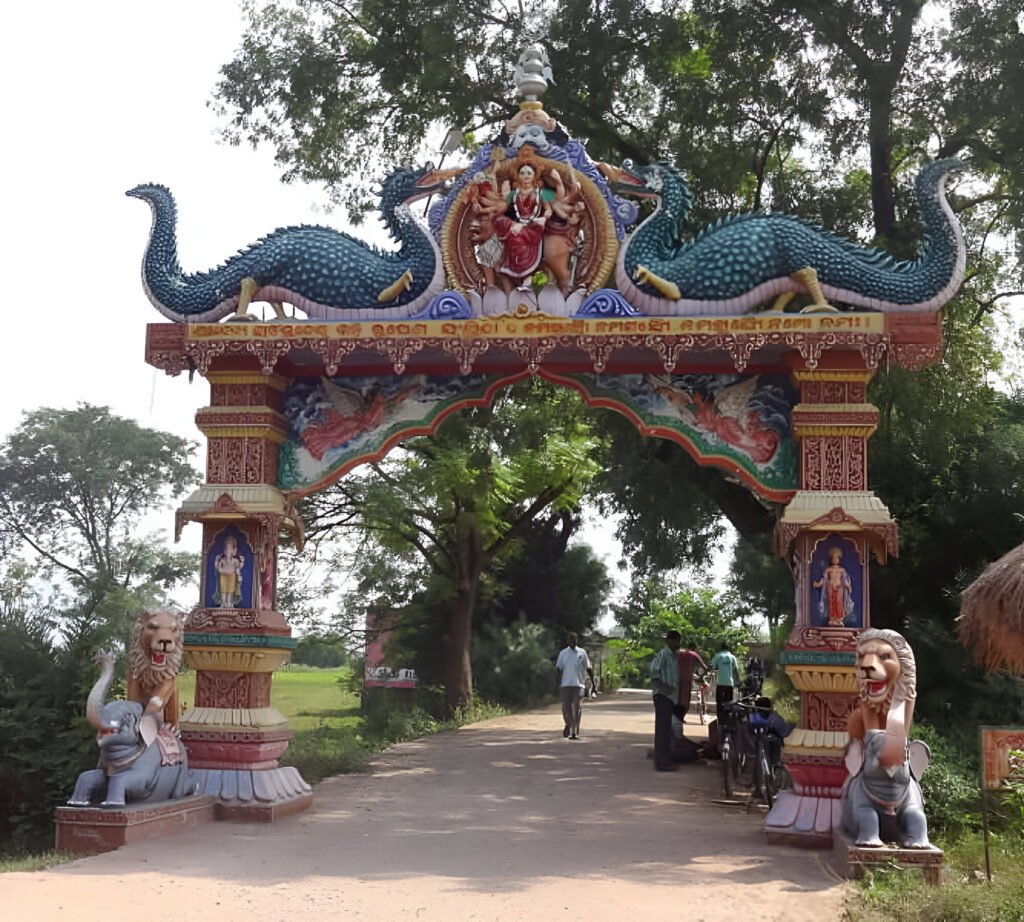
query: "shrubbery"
513, 664
44, 739
950, 787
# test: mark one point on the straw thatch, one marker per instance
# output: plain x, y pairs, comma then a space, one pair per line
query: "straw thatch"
991, 618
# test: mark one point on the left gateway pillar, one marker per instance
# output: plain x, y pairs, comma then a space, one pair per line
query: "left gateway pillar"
235, 638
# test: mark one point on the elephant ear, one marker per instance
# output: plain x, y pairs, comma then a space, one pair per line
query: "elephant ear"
149, 727
919, 756
854, 757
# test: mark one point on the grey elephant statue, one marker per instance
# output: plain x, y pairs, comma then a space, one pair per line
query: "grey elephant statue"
141, 761
882, 800
885, 804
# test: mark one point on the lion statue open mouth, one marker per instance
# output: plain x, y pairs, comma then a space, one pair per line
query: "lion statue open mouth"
882, 801
155, 656
886, 672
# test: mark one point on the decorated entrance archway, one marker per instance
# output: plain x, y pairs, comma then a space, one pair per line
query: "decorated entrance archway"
751, 346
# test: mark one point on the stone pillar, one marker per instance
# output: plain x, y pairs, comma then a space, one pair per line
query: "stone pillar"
235, 638
828, 533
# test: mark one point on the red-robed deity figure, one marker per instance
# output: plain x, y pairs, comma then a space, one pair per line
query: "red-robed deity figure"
521, 228
836, 599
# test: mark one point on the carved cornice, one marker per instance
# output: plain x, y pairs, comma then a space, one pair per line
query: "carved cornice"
243, 422
849, 511
818, 658
858, 416
237, 620
837, 639
803, 742
259, 502
246, 377
254, 719
835, 429
246, 641
535, 340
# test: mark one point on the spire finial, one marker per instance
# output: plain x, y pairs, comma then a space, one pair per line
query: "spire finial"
533, 73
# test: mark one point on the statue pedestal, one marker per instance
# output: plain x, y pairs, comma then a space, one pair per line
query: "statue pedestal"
255, 796
234, 737
802, 821
849, 860
813, 753
91, 830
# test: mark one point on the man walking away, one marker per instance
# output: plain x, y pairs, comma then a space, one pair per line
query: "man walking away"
665, 685
574, 665
728, 676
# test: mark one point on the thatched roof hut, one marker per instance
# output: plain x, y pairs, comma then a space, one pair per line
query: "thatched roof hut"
991, 618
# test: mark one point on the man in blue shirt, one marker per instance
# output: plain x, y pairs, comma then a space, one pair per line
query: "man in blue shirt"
665, 686
728, 676
574, 664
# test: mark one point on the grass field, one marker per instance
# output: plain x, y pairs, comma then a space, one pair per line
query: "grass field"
321, 711
307, 697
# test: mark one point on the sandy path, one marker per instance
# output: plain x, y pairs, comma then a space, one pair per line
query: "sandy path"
501, 820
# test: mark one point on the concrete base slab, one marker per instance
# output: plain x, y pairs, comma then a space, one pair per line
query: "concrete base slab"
91, 830
851, 861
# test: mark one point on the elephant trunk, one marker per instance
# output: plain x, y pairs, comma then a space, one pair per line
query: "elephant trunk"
98, 695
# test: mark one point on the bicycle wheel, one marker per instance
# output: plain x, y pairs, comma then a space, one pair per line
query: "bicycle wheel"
703, 708
766, 780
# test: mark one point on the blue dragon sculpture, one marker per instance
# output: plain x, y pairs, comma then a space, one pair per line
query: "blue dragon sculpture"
319, 270
744, 261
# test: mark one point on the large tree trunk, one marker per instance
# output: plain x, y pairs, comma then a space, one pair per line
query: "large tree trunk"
470, 561
458, 680
883, 200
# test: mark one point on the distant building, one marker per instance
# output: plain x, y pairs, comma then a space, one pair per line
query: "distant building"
380, 674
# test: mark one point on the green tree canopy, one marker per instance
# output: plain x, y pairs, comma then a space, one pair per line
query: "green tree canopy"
703, 616
75, 485
442, 510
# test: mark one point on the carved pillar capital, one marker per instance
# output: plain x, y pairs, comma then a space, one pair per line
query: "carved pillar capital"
833, 423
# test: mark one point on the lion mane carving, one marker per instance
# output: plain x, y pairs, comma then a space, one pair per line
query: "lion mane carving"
155, 655
886, 675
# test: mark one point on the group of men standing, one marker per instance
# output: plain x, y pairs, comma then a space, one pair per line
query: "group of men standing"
672, 672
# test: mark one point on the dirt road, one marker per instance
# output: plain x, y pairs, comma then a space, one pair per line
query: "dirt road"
503, 820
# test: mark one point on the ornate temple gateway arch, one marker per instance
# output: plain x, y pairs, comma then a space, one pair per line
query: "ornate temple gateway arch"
752, 346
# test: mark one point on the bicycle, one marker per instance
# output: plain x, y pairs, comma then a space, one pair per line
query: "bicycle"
700, 682
748, 740
729, 718
768, 768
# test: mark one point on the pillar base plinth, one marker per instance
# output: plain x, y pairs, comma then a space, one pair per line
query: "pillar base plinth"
801, 820
255, 795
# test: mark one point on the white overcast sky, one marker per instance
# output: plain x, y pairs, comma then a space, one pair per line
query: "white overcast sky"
98, 98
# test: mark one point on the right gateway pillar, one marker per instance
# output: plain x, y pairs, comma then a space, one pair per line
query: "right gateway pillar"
828, 533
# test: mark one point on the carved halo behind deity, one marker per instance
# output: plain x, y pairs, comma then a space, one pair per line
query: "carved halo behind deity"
599, 244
